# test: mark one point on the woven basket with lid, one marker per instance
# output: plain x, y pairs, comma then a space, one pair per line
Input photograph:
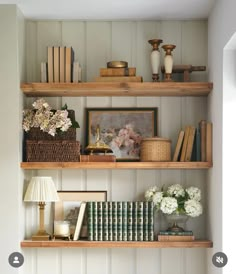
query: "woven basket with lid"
155, 149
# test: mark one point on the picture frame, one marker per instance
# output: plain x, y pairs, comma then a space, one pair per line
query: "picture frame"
122, 129
67, 208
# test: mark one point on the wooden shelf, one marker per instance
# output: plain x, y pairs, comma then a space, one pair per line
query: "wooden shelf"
102, 244
117, 89
116, 165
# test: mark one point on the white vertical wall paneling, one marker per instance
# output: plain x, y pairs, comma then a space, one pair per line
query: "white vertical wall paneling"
194, 47
97, 261
73, 179
73, 257
146, 30
198, 265
172, 260
98, 45
31, 56
123, 260
48, 260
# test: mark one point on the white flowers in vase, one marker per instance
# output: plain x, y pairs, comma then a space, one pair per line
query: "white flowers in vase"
176, 200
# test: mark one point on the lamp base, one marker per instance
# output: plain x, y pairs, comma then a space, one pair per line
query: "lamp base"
41, 236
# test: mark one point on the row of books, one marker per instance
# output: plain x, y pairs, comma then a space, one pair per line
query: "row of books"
120, 221
194, 143
60, 66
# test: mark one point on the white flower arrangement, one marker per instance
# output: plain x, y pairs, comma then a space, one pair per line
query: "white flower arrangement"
176, 200
43, 117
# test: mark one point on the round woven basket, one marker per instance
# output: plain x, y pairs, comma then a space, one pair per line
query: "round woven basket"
155, 150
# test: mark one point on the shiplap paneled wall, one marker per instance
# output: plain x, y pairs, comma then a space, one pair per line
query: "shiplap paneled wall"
94, 44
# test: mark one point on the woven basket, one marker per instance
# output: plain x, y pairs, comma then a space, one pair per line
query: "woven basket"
37, 134
52, 151
155, 150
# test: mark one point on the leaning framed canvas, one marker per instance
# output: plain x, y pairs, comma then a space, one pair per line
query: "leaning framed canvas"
122, 129
67, 208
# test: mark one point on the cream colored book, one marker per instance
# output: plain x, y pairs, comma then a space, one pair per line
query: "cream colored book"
185, 143
79, 221
189, 149
56, 64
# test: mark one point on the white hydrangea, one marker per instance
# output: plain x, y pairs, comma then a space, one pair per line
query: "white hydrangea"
194, 193
175, 190
193, 208
150, 192
168, 205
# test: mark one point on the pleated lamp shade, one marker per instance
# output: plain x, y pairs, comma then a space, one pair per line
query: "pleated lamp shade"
41, 189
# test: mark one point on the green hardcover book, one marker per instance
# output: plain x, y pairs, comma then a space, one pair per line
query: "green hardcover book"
114, 221
110, 216
119, 221
135, 221
95, 221
150, 221
145, 221
105, 221
130, 221
124, 221
179, 233
90, 220
100, 221
140, 221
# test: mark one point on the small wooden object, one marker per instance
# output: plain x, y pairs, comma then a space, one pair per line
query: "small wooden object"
185, 69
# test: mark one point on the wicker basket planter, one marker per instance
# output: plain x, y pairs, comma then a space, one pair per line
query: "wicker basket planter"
52, 151
155, 150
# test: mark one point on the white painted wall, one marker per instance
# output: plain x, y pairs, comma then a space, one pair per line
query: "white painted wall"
11, 176
222, 27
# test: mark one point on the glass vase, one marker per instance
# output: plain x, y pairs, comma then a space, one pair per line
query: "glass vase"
176, 222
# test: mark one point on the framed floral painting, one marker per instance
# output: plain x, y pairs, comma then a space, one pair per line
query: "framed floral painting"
122, 129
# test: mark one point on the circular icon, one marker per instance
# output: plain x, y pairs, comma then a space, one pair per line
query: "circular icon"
219, 259
16, 259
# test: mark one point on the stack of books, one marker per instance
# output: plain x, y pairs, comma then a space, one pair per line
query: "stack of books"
118, 75
60, 66
181, 236
194, 143
120, 221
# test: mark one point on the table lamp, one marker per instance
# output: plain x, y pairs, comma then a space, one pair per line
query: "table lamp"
41, 190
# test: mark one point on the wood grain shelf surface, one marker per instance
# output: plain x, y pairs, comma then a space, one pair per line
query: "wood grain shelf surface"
117, 89
113, 244
116, 165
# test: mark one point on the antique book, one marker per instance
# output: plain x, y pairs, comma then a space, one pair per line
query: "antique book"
50, 65
189, 148
79, 221
56, 64
105, 72
209, 142
185, 143
68, 64
202, 126
119, 79
178, 146
62, 64
176, 238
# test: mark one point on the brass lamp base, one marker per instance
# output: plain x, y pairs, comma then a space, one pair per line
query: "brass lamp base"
41, 236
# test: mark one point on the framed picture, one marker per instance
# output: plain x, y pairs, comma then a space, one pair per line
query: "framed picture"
67, 208
122, 129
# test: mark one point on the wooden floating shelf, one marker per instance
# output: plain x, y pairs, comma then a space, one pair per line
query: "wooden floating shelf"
102, 244
116, 165
117, 89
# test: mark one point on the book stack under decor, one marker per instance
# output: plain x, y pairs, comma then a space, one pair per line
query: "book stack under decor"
60, 66
194, 143
180, 236
120, 221
118, 71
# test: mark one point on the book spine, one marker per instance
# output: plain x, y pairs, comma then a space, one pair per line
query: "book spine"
150, 221
95, 221
114, 221
145, 221
130, 221
140, 221
180, 233
100, 221
124, 221
110, 216
119, 221
90, 220
105, 221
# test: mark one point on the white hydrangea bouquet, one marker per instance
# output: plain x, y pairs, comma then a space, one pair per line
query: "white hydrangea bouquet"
176, 200
46, 119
